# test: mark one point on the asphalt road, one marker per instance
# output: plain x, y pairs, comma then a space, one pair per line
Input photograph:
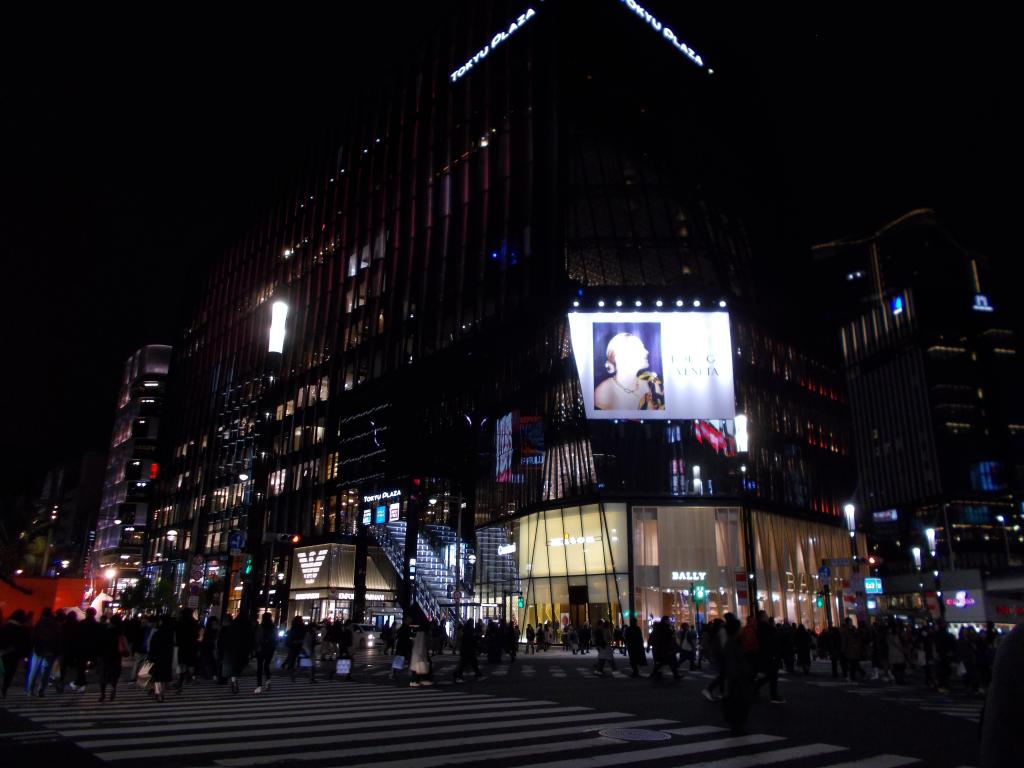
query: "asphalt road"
547, 710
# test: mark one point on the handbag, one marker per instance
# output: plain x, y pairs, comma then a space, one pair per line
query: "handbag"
398, 663
144, 672
343, 667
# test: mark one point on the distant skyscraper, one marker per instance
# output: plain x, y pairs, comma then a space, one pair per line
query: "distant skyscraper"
934, 384
131, 469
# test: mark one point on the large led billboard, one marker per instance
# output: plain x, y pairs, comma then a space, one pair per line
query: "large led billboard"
654, 365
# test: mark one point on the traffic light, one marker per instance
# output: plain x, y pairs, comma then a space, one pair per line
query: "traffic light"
699, 593
819, 601
295, 538
282, 538
520, 604
874, 561
247, 566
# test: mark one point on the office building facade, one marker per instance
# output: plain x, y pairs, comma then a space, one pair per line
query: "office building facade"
428, 383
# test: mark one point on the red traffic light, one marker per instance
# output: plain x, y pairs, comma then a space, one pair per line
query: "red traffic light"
874, 560
295, 539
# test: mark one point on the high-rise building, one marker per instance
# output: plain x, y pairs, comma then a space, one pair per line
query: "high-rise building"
931, 365
132, 467
61, 520
540, 198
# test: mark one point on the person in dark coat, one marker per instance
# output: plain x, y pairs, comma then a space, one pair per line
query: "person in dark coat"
467, 653
208, 649
802, 645
634, 639
266, 644
233, 649
86, 639
112, 648
1001, 744
293, 642
736, 675
46, 641
186, 635
663, 646
15, 645
768, 658
403, 642
161, 654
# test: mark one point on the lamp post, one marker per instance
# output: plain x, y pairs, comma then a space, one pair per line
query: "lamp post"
850, 513
929, 534
257, 528
742, 451
1006, 538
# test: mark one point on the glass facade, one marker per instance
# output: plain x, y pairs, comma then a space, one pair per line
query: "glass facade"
573, 565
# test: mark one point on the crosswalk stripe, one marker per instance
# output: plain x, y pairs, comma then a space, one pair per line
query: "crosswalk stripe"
771, 756
634, 754
694, 730
420, 761
190, 711
275, 719
348, 753
878, 761
370, 735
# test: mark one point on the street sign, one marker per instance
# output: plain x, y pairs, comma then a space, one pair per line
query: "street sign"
824, 572
741, 588
236, 540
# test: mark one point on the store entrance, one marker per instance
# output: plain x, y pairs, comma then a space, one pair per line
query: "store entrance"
578, 605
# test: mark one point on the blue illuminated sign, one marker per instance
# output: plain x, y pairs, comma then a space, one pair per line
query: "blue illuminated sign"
872, 586
380, 514
502, 35
897, 305
981, 303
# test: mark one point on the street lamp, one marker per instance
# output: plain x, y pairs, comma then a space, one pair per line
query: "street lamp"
916, 554
742, 451
1006, 538
850, 511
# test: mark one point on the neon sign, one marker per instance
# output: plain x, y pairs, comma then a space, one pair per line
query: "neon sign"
688, 575
667, 33
565, 541
498, 39
962, 599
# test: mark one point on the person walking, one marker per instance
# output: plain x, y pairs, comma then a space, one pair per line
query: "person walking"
208, 649
663, 646
309, 642
802, 646
715, 638
467, 654
603, 644
530, 637
1001, 744
403, 643
161, 655
233, 649
46, 647
851, 649
86, 639
736, 674
266, 643
768, 660
293, 641
419, 661
186, 635
111, 651
897, 654
634, 640
15, 645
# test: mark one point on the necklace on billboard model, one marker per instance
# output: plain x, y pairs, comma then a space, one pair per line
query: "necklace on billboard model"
625, 389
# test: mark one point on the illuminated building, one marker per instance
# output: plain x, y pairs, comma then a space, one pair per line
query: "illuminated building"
132, 468
430, 267
931, 364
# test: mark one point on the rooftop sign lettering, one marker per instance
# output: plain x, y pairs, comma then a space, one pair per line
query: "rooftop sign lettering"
502, 35
666, 33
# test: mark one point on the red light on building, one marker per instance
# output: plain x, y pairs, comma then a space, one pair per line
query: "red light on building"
154, 470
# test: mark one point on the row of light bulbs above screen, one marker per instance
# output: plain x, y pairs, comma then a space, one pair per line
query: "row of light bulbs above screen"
679, 303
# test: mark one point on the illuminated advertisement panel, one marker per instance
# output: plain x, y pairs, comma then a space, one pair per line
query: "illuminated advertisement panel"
654, 365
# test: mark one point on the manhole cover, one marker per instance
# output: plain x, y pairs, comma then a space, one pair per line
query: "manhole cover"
634, 734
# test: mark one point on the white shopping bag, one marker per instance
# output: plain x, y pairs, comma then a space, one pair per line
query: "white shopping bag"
398, 663
343, 667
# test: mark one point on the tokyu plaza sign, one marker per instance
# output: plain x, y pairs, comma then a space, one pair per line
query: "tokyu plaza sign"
522, 19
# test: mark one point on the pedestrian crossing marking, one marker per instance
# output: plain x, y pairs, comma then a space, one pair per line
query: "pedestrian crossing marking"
878, 761
771, 756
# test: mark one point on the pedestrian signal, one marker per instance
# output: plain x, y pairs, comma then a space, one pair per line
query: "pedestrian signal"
520, 602
247, 565
819, 602
699, 592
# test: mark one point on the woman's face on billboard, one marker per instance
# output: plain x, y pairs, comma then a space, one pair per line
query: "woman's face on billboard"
628, 354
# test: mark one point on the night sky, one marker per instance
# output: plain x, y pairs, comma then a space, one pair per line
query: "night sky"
131, 160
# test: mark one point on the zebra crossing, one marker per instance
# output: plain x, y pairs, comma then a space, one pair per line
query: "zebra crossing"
919, 697
364, 724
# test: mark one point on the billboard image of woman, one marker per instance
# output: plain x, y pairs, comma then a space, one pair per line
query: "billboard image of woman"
628, 380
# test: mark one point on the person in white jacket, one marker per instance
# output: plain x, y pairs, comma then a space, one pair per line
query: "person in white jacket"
419, 663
